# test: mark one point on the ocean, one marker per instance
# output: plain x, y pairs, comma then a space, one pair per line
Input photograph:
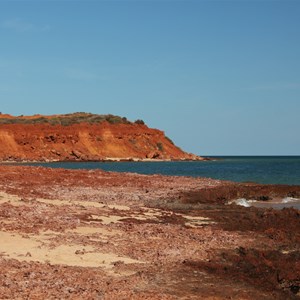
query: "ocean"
259, 169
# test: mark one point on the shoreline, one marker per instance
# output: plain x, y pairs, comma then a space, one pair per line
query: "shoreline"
131, 236
107, 159
232, 170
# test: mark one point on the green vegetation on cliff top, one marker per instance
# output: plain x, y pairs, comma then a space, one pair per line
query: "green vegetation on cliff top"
67, 119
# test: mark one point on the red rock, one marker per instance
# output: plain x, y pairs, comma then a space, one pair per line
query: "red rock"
82, 141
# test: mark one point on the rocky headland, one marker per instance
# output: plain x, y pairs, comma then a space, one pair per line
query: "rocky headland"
91, 234
83, 137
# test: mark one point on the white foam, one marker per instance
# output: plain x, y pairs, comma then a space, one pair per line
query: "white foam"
290, 199
241, 202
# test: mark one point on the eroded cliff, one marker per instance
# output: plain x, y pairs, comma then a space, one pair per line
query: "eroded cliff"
83, 137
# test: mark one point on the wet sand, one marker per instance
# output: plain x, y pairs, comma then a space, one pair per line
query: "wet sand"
103, 235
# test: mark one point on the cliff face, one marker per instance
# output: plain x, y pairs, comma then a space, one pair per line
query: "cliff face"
44, 139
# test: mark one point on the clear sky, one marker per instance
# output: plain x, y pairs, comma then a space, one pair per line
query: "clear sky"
219, 77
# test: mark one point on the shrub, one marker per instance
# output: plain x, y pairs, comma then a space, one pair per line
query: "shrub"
140, 122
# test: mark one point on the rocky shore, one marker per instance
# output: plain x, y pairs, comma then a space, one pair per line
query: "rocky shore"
79, 234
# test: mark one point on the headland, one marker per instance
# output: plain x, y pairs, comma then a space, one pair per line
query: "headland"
84, 137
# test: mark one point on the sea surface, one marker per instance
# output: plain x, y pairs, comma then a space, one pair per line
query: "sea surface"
259, 169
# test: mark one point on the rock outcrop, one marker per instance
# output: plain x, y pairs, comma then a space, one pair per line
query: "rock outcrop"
83, 137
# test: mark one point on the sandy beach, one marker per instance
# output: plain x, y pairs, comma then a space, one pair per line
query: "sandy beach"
103, 235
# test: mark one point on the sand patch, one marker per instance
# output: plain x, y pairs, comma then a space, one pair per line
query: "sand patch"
83, 230
17, 201
86, 204
109, 215
150, 214
106, 220
34, 248
11, 199
195, 221
155, 214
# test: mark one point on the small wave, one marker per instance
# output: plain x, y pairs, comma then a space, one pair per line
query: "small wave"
276, 204
242, 202
289, 200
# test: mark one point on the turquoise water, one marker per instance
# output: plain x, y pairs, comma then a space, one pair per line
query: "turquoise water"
260, 169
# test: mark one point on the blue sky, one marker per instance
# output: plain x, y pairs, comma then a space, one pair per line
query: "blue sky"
219, 77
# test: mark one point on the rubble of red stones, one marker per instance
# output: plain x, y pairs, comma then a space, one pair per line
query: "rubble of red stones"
240, 253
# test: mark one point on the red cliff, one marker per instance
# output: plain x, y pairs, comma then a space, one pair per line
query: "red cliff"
83, 137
